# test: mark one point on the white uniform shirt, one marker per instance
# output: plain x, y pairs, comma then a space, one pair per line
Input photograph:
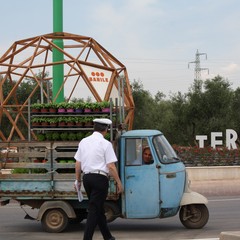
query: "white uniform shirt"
94, 153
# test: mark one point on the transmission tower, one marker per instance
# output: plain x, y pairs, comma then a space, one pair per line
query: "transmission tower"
198, 69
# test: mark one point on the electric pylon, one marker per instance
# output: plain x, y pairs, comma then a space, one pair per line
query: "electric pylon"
198, 69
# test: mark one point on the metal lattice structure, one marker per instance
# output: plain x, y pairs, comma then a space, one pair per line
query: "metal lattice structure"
88, 69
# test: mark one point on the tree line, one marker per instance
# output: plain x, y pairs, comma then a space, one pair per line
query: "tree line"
208, 106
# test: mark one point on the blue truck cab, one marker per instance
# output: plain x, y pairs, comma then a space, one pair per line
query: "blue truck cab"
151, 190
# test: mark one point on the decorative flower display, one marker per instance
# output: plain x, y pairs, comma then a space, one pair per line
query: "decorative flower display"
195, 156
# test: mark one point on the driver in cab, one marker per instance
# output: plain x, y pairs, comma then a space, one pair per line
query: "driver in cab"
147, 156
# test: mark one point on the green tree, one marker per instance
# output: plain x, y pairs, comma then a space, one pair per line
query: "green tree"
144, 107
210, 108
179, 121
236, 111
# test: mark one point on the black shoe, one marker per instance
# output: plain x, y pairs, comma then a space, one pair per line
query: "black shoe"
112, 238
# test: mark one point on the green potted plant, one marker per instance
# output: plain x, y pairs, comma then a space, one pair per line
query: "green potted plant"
55, 136
44, 121
53, 121
64, 136
61, 121
53, 107
88, 121
79, 136
61, 107
87, 107
96, 107
49, 136
105, 106
35, 108
36, 122
70, 121
41, 137
70, 107
72, 136
45, 108
78, 121
79, 107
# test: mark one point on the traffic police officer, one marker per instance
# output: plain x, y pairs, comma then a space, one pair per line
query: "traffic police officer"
96, 158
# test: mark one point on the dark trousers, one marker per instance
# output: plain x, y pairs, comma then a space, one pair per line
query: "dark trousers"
96, 186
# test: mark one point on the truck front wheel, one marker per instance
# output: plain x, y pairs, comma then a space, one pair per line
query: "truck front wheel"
194, 215
54, 220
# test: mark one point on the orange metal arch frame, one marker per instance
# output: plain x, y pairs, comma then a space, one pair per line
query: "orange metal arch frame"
85, 60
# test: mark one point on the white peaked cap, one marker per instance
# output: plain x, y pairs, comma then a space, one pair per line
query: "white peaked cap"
105, 121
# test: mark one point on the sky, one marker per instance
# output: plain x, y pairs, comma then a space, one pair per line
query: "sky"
155, 39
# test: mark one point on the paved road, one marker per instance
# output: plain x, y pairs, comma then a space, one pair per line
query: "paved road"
224, 209
224, 216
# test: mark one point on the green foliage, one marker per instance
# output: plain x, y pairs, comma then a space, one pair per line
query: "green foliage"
88, 134
207, 107
52, 120
49, 136
104, 104
55, 136
108, 136
79, 105
80, 136
144, 107
72, 136
20, 170
41, 137
36, 106
64, 136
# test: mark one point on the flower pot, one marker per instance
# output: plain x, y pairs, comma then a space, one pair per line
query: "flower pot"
106, 110
52, 124
52, 110
88, 124
79, 124
44, 110
70, 124
97, 110
44, 124
35, 110
36, 124
70, 110
79, 110
61, 110
87, 110
62, 124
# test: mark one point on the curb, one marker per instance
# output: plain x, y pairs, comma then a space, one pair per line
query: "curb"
216, 187
230, 235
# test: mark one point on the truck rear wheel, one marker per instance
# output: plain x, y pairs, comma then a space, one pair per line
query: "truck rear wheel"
54, 220
111, 211
194, 216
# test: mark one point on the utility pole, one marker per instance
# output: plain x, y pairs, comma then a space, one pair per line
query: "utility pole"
198, 69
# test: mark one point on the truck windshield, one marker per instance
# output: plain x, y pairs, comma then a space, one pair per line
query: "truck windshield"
164, 150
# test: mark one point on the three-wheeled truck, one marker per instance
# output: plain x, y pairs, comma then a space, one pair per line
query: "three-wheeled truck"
156, 190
